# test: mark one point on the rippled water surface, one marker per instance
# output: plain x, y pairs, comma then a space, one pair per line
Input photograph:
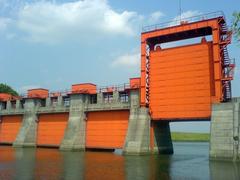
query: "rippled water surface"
190, 161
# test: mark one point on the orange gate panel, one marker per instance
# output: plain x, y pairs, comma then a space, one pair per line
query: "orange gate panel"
9, 128
181, 84
106, 129
51, 128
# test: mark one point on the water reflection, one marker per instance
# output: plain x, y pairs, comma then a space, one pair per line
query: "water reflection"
25, 163
49, 164
224, 170
147, 167
190, 161
73, 163
104, 166
6, 163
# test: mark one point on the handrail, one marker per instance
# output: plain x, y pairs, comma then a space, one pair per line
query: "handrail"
120, 87
188, 20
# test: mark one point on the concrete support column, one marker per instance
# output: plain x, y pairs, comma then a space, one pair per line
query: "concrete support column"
115, 96
100, 98
222, 132
162, 137
28, 133
60, 101
48, 102
138, 135
9, 105
236, 124
74, 137
1, 106
18, 104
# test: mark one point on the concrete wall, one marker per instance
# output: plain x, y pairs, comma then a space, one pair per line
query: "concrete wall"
74, 138
162, 137
138, 134
28, 132
225, 124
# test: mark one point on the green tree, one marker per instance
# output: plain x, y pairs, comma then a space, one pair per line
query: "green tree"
4, 88
236, 25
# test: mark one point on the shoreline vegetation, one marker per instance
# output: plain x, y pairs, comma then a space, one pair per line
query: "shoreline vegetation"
190, 137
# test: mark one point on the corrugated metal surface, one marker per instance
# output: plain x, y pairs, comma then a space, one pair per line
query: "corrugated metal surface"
180, 84
106, 129
9, 128
51, 129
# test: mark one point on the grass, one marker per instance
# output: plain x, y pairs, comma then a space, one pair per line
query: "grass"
190, 137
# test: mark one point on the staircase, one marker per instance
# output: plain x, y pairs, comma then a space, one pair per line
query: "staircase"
227, 92
227, 64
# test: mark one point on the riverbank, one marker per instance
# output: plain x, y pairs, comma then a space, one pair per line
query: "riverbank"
190, 137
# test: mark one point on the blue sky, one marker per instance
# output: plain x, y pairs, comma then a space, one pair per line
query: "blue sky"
53, 44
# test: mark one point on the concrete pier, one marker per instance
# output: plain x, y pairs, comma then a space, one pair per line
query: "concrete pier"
162, 138
28, 132
138, 134
1, 106
225, 124
74, 138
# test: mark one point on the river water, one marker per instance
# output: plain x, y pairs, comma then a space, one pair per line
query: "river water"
190, 161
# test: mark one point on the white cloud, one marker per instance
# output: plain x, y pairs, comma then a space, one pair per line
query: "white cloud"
127, 60
4, 22
49, 22
184, 15
155, 17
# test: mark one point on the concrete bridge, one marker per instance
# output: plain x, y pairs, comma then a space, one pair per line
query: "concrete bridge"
191, 82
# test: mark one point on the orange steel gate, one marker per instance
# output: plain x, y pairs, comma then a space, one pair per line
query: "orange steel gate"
214, 86
9, 128
106, 129
180, 83
51, 128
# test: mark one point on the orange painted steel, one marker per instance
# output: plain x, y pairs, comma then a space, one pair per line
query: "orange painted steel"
8, 97
180, 84
209, 27
110, 89
51, 128
86, 88
5, 97
38, 93
9, 128
55, 94
183, 82
106, 129
135, 83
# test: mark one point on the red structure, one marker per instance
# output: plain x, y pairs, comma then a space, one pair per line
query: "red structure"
5, 97
183, 82
38, 93
87, 88
135, 83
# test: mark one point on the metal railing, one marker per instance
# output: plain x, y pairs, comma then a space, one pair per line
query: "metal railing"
100, 89
121, 87
192, 19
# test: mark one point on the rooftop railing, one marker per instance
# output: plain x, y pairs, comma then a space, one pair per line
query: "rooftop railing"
100, 89
177, 22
